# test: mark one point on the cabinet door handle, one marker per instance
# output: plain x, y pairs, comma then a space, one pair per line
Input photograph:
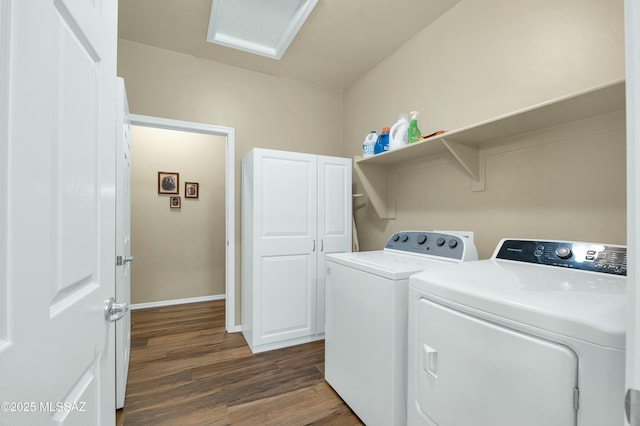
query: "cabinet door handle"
314, 245
321, 245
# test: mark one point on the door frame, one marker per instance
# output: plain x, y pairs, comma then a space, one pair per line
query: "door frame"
229, 134
5, 31
632, 72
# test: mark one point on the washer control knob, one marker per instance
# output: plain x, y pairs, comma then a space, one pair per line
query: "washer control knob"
563, 252
422, 239
396, 237
453, 244
404, 238
440, 242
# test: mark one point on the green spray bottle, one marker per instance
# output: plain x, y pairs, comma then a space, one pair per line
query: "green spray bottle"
414, 131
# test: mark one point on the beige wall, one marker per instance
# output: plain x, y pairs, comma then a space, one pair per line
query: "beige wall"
485, 59
266, 111
478, 61
180, 253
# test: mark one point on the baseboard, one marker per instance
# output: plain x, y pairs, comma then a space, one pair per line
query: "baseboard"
162, 303
285, 343
235, 329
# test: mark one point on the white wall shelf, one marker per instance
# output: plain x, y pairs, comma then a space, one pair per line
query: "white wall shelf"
464, 144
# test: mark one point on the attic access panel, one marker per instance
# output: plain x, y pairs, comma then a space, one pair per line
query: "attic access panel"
262, 27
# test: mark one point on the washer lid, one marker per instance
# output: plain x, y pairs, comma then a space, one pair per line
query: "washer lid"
584, 305
385, 263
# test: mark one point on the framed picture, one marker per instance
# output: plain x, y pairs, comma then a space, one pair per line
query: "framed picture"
174, 202
168, 183
191, 189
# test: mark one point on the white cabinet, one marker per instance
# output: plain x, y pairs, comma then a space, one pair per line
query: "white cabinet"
296, 208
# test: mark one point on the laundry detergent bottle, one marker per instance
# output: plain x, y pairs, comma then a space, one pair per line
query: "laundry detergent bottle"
369, 144
382, 144
398, 134
414, 131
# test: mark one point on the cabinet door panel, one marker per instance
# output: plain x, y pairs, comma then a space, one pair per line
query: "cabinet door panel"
287, 197
286, 245
334, 217
286, 298
334, 203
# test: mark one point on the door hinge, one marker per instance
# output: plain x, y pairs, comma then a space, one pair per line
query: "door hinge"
121, 260
632, 406
576, 399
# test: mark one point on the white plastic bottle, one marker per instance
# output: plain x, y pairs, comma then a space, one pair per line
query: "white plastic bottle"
369, 144
398, 135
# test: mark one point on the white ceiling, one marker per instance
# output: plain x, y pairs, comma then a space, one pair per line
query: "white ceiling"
339, 42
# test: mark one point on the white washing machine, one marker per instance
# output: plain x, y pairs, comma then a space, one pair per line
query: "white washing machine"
533, 336
366, 319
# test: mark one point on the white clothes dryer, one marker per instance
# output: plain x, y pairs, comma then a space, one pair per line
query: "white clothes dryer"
366, 319
533, 336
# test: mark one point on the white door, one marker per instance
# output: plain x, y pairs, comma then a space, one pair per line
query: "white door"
123, 241
57, 216
334, 218
286, 245
632, 41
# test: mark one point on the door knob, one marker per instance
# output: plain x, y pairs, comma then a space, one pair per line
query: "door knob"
114, 311
121, 260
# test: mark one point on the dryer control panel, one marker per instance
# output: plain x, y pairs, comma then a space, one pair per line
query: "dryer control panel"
433, 243
609, 259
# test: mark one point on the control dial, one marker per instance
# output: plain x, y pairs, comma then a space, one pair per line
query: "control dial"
563, 252
440, 242
453, 244
404, 238
422, 239
396, 237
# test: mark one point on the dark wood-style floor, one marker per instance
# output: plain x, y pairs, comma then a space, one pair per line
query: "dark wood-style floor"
186, 370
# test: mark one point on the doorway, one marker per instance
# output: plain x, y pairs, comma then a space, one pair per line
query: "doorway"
229, 188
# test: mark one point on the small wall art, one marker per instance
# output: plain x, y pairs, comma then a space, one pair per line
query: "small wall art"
174, 202
168, 183
191, 190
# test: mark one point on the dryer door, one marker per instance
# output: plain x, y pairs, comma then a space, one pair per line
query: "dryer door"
474, 372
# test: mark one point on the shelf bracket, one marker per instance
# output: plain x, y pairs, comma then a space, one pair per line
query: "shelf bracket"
469, 159
375, 183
